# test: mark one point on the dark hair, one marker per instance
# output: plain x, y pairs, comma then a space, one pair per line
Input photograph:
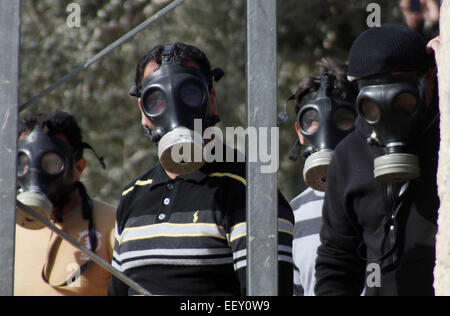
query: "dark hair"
58, 122
348, 91
182, 53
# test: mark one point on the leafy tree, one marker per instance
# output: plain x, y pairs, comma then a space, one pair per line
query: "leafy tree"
98, 97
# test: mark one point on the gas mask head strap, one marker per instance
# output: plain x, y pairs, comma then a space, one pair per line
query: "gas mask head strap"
99, 158
327, 85
284, 115
87, 208
168, 56
326, 88
387, 79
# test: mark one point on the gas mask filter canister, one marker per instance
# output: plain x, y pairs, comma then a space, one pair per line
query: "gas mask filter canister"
315, 169
181, 151
39, 203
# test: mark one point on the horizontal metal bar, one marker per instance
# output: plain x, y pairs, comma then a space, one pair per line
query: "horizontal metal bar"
102, 53
102, 263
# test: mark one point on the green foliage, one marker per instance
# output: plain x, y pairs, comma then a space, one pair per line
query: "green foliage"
98, 97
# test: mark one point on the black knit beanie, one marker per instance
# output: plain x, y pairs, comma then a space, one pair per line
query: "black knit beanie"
385, 49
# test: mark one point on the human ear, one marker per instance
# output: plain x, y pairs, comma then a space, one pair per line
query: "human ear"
301, 137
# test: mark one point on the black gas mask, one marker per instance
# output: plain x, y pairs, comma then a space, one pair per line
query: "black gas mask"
44, 173
324, 120
394, 107
175, 99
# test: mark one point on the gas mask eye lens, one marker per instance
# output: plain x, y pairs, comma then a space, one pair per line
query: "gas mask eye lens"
344, 119
191, 94
370, 110
405, 103
310, 121
52, 163
23, 165
154, 102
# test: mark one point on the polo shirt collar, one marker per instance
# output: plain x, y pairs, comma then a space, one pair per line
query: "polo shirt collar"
161, 177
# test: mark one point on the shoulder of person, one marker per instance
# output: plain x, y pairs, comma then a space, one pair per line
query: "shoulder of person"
231, 170
144, 178
354, 144
306, 196
104, 215
104, 208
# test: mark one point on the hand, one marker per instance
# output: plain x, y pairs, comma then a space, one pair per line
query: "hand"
429, 12
434, 46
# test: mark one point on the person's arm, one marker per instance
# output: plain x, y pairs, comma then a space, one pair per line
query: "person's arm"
434, 47
285, 236
298, 287
233, 203
236, 218
117, 287
339, 269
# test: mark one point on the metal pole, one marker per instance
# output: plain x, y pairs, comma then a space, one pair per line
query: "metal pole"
262, 256
10, 17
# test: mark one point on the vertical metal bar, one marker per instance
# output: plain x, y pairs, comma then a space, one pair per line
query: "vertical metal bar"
10, 17
262, 199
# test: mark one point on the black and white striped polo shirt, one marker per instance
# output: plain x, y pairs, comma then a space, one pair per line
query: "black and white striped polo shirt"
187, 236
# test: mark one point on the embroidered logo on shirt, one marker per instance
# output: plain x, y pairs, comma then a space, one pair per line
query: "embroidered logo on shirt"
195, 220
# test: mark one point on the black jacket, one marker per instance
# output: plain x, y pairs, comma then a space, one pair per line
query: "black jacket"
359, 228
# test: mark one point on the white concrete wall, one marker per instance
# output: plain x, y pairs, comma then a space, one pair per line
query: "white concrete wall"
442, 269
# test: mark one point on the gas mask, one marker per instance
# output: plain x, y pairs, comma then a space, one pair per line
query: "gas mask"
44, 173
394, 107
324, 120
172, 98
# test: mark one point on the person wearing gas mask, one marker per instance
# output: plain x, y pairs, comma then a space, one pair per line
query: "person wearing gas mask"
381, 202
422, 16
181, 226
50, 164
433, 47
325, 108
